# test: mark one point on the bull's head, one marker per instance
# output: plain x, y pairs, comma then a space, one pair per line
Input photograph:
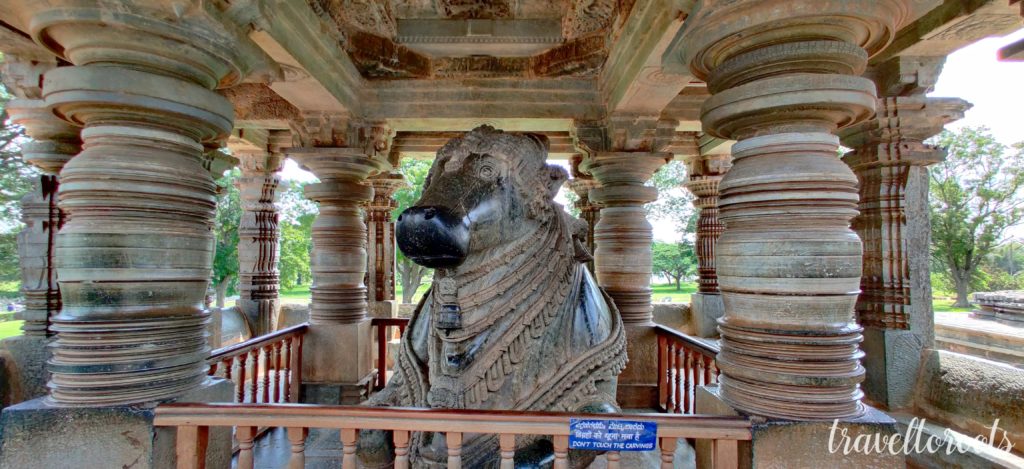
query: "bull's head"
485, 190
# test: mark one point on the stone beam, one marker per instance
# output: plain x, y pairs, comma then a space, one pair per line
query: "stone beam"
426, 144
633, 80
319, 75
258, 106
950, 25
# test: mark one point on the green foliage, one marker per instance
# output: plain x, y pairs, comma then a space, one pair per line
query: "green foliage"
676, 261
674, 201
229, 214
410, 274
16, 177
296, 245
975, 196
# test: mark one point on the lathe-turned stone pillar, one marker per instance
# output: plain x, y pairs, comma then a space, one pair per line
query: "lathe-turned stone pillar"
337, 354
590, 212
705, 173
53, 143
380, 253
783, 78
622, 259
890, 161
259, 239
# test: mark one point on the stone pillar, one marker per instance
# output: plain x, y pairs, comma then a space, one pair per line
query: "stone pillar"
890, 161
622, 259
53, 143
784, 78
380, 230
259, 239
339, 325
590, 212
705, 173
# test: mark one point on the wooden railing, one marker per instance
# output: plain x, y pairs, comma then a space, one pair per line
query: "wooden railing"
383, 326
264, 369
684, 363
193, 422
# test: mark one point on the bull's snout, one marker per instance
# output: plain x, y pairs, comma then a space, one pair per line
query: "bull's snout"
433, 237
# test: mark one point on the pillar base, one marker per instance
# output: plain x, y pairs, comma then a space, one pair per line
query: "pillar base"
706, 308
338, 393
35, 434
801, 444
23, 373
337, 362
892, 359
638, 386
383, 309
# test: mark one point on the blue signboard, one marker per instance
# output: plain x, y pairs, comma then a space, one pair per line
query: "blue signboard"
612, 435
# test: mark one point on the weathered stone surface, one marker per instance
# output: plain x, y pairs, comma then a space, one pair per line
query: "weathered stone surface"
1007, 306
39, 434
23, 361
293, 315
380, 259
706, 309
704, 174
514, 321
970, 393
783, 81
590, 212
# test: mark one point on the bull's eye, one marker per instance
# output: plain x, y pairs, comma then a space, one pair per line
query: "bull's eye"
487, 171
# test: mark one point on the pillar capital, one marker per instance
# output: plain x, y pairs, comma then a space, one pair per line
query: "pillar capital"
622, 176
384, 186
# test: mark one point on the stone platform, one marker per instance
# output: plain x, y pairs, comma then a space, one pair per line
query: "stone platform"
970, 334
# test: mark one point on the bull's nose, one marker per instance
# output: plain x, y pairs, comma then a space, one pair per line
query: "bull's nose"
433, 237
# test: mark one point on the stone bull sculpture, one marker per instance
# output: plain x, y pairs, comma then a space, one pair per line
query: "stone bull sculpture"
514, 320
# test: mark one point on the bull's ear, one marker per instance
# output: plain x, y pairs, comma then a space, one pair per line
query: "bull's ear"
557, 176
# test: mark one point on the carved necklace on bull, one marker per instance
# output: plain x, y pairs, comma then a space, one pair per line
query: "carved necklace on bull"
522, 301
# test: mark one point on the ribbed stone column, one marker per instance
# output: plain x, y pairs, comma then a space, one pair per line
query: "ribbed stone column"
705, 173
380, 253
53, 143
136, 252
590, 212
784, 79
259, 239
339, 326
623, 236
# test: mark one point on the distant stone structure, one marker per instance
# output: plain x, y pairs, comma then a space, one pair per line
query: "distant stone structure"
514, 320
1001, 305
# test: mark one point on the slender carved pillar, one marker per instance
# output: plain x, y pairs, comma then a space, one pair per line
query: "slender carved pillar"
623, 236
380, 264
136, 252
338, 313
890, 161
259, 239
590, 212
783, 79
705, 172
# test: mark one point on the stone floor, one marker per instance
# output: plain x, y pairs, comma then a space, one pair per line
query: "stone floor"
985, 338
323, 450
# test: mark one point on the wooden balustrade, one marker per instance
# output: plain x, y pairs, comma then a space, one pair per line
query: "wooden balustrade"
265, 369
684, 363
383, 325
193, 422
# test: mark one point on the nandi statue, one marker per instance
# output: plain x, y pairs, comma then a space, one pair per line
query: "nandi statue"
514, 320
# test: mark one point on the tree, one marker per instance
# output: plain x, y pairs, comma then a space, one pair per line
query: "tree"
975, 197
410, 273
676, 261
674, 203
229, 214
296, 244
16, 179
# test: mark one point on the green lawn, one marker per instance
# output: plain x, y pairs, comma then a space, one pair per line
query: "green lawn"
10, 329
668, 293
944, 305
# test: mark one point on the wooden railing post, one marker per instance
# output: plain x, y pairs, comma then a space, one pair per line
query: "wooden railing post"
507, 441
382, 355
663, 373
668, 452
245, 435
561, 443
191, 446
349, 436
725, 454
613, 458
297, 438
295, 369
401, 438
240, 383
454, 440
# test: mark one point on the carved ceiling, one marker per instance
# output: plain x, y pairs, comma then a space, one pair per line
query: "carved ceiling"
423, 39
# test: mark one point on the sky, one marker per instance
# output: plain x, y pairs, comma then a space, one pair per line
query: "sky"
996, 89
